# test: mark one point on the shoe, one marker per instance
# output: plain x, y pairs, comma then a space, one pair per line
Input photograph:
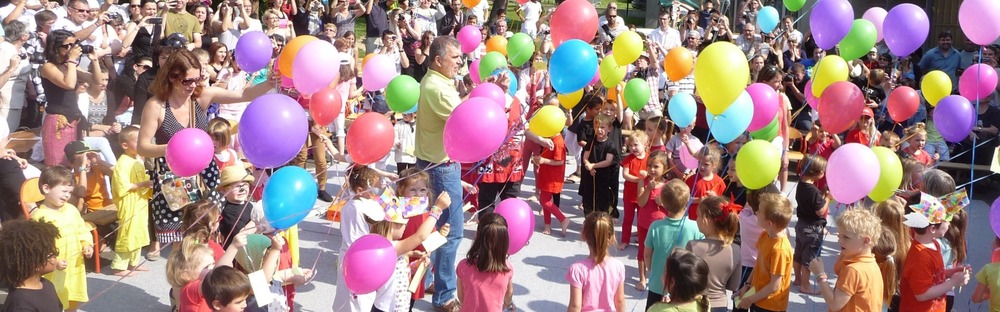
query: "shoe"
324, 196
153, 256
451, 306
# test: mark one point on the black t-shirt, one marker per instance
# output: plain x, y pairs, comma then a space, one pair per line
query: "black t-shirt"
234, 218
300, 22
377, 20
810, 200
141, 94
33, 300
598, 151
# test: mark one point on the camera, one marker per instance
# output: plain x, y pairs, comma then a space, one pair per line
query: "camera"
869, 94
401, 18
115, 19
789, 77
86, 49
37, 58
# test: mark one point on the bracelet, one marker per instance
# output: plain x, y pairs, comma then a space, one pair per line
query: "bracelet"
821, 277
73, 62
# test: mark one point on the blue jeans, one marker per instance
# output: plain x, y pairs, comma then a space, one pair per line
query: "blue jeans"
448, 178
938, 147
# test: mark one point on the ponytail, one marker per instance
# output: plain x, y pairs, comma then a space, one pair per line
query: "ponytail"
599, 232
723, 215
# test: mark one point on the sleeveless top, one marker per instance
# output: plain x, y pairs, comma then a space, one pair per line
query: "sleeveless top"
142, 45
171, 126
97, 109
61, 101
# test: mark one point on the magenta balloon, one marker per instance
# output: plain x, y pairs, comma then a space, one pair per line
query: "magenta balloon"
980, 20
520, 222
954, 118
852, 172
189, 152
830, 22
253, 51
765, 105
977, 82
469, 37
310, 70
596, 80
995, 216
841, 106
810, 98
272, 130
368, 263
876, 15
574, 19
378, 71
905, 29
492, 92
474, 131
474, 71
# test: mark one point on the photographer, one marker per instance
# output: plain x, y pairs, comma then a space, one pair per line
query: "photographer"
13, 73
236, 17
176, 20
78, 22
34, 95
795, 88
718, 30
343, 14
606, 34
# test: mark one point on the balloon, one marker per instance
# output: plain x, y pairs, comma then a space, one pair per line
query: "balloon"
682, 109
253, 51
890, 176
511, 88
767, 19
364, 61
768, 132
474, 131
859, 41
474, 71
841, 106
471, 3
765, 105
520, 218
935, 85
573, 63
492, 92
690, 161
811, 99
573, 19
368, 263
721, 59
469, 37
794, 5
830, 69
402, 93
289, 197
272, 130
849, 172
611, 73
519, 49
729, 125
954, 118
679, 63
325, 106
876, 16
905, 29
757, 164
497, 43
636, 94
490, 63
980, 20
596, 79
373, 142
306, 75
287, 56
570, 100
995, 216
547, 122
627, 47
903, 103
830, 21
378, 72
189, 151
977, 82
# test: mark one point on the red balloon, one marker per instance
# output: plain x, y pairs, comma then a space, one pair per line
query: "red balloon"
840, 106
574, 19
903, 103
325, 105
370, 138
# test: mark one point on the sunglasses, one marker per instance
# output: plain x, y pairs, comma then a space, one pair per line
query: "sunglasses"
68, 45
146, 67
191, 81
81, 10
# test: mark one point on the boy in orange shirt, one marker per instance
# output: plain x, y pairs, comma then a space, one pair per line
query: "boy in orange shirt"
859, 283
90, 171
706, 182
925, 282
634, 171
771, 277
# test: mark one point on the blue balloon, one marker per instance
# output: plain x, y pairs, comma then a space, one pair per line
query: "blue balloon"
572, 66
289, 196
734, 121
768, 19
682, 109
512, 89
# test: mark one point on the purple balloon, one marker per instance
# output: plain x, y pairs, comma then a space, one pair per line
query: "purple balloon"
954, 118
474, 131
272, 130
905, 29
876, 15
830, 22
995, 216
492, 92
253, 51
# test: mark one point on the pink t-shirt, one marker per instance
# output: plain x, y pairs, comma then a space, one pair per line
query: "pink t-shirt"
599, 282
482, 291
749, 232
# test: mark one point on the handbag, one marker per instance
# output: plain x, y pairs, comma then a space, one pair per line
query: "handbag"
180, 191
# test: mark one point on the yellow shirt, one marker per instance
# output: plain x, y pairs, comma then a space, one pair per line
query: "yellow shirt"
71, 283
133, 206
438, 98
774, 258
989, 275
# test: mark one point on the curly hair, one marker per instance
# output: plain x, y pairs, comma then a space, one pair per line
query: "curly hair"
25, 247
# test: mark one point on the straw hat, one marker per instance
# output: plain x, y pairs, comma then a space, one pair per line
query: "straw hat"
233, 174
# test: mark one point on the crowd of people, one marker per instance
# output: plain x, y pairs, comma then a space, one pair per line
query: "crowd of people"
107, 85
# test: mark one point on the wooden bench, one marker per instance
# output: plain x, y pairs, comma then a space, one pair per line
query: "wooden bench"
97, 218
22, 141
962, 166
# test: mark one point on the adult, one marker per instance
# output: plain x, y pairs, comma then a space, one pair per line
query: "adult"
479, 11
691, 25
705, 15
792, 54
237, 19
718, 30
454, 18
11, 179
376, 22
392, 47
987, 128
607, 33
344, 16
789, 33
425, 17
35, 94
217, 61
275, 25
121, 103
177, 20
664, 36
19, 10
968, 54
89, 32
795, 88
206, 24
749, 40
144, 81
14, 73
772, 76
944, 57
603, 19
421, 50
530, 13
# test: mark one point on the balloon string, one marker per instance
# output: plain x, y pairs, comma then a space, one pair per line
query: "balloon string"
972, 171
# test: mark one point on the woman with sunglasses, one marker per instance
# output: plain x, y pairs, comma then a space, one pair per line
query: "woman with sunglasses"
772, 76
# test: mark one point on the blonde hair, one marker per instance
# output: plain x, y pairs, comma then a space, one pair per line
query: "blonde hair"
602, 119
183, 261
891, 213
711, 155
889, 139
675, 196
776, 209
638, 136
219, 130
410, 177
912, 168
599, 232
914, 130
726, 222
862, 222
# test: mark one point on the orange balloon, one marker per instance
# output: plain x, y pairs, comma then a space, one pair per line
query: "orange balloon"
471, 3
289, 52
497, 43
678, 63
365, 60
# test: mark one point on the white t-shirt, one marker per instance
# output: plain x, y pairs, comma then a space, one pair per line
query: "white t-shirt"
532, 12
12, 92
395, 57
27, 17
353, 227
480, 12
603, 20
230, 37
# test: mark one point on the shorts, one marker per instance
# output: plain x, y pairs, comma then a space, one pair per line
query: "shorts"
808, 241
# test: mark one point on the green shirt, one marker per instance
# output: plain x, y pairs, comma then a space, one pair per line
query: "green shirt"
989, 275
692, 306
183, 23
932, 132
664, 235
438, 97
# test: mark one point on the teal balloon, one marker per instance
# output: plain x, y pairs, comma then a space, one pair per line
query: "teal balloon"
512, 89
490, 63
289, 196
768, 19
402, 93
734, 121
794, 5
859, 41
520, 48
636, 94
768, 132
572, 67
682, 109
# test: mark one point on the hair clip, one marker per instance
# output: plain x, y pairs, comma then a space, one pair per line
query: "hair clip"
728, 208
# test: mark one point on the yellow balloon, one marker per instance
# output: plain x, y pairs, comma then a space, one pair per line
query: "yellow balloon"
627, 47
547, 122
611, 73
936, 85
289, 52
721, 73
570, 100
831, 68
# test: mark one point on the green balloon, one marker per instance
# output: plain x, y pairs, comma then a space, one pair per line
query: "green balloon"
402, 93
794, 5
757, 164
490, 63
611, 73
520, 47
768, 132
636, 94
859, 41
890, 174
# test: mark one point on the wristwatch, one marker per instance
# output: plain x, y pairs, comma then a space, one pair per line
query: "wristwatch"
83, 169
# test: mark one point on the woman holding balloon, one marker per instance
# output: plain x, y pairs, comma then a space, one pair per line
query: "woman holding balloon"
773, 77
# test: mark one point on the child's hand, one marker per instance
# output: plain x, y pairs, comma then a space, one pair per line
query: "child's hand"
277, 241
711, 193
471, 189
816, 266
443, 200
643, 174
88, 251
744, 304
415, 254
445, 229
937, 156
960, 278
61, 265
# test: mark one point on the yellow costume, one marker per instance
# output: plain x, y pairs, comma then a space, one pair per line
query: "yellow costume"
133, 211
71, 283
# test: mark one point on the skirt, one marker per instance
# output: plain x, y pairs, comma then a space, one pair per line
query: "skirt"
57, 132
167, 222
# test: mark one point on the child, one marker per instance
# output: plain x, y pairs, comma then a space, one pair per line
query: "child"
935, 144
634, 171
262, 254
485, 277
665, 235
219, 130
405, 143
953, 249
583, 128
772, 274
363, 182
687, 274
864, 132
598, 282
988, 287
891, 213
883, 251
600, 169
414, 183
750, 230
226, 289
650, 209
682, 142
917, 140
185, 264
238, 211
719, 222
822, 143
889, 140
859, 283
28, 251
90, 171
551, 166
656, 132
706, 182
132, 191
75, 241
925, 282
810, 229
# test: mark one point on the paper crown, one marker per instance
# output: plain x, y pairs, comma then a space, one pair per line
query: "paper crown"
934, 210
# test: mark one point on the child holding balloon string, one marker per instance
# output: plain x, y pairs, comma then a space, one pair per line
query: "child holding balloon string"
916, 140
649, 207
706, 182
681, 142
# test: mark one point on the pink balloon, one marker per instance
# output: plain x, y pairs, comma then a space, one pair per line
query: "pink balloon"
977, 82
378, 71
810, 98
765, 105
474, 131
980, 20
520, 222
691, 161
469, 37
306, 75
287, 82
574, 19
852, 172
876, 15
490, 91
189, 152
597, 78
368, 264
474, 71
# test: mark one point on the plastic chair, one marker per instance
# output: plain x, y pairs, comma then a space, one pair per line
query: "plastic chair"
31, 194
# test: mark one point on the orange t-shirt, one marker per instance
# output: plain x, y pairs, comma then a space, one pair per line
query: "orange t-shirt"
701, 187
633, 165
97, 192
550, 178
924, 268
774, 257
860, 278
